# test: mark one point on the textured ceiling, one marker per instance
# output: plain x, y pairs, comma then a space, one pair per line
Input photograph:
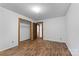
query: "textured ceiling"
48, 10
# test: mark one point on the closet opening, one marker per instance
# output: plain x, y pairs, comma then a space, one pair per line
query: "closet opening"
23, 32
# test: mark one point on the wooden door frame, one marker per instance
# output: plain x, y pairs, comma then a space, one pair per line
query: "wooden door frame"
19, 35
42, 30
18, 31
19, 18
31, 28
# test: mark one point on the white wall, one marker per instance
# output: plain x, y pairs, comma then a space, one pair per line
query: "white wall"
72, 18
54, 29
25, 31
8, 29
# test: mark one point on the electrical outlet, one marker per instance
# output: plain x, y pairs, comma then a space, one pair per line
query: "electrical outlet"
12, 41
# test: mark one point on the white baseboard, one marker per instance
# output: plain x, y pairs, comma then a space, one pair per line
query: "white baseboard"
8, 48
74, 52
54, 40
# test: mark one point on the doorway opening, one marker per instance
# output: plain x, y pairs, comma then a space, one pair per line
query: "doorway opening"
28, 31
40, 30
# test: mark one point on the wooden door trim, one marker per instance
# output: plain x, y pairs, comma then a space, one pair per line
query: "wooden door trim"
31, 28
39, 31
18, 32
42, 30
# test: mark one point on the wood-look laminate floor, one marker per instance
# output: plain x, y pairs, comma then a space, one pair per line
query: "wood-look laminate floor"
38, 48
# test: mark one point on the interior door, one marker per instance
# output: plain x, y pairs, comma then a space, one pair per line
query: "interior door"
34, 31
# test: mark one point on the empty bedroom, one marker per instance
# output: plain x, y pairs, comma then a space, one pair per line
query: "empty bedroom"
39, 29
